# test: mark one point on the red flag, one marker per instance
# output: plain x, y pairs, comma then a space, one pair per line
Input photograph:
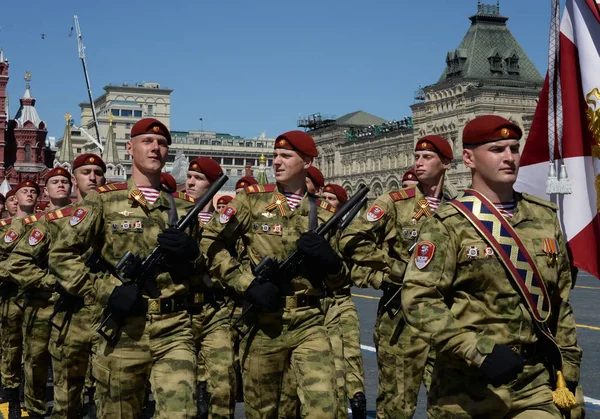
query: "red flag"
579, 61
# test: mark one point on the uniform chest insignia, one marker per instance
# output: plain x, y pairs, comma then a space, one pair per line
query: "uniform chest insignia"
488, 252
423, 210
78, 216
265, 228
268, 215
280, 200
375, 213
115, 226
472, 252
35, 237
126, 213
138, 225
10, 236
276, 229
550, 248
125, 225
424, 254
138, 196
226, 215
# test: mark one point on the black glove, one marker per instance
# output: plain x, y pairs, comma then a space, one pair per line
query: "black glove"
265, 295
502, 365
317, 248
179, 244
126, 300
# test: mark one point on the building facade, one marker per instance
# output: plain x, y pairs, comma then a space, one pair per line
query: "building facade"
488, 73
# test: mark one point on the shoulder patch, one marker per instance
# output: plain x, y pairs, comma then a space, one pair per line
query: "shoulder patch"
5, 222
35, 237
10, 236
78, 216
59, 213
403, 194
261, 188
424, 254
33, 218
183, 195
112, 187
539, 201
326, 206
374, 213
227, 213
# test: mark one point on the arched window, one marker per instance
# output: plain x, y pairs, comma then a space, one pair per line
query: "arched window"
27, 153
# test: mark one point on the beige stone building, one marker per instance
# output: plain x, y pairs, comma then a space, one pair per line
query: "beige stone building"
488, 73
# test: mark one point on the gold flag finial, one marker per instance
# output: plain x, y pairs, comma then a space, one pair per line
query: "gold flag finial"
111, 118
68, 117
27, 77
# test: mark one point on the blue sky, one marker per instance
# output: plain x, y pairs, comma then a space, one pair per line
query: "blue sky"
247, 66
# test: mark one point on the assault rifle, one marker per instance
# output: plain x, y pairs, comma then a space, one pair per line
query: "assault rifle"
269, 269
142, 272
388, 303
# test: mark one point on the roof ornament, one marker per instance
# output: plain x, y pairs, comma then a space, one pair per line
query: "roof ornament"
27, 78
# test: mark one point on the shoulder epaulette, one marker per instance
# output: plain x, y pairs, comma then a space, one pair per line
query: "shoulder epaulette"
112, 187
539, 201
261, 188
326, 206
403, 194
59, 213
33, 218
5, 222
183, 195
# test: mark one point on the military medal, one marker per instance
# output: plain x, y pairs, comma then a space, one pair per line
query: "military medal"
276, 229
125, 225
265, 228
35, 237
414, 234
488, 252
472, 252
115, 226
137, 225
550, 248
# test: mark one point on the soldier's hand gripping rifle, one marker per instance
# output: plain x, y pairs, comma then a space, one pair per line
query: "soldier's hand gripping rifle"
388, 304
269, 269
142, 272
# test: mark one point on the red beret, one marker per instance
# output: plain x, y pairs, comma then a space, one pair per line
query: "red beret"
245, 181
209, 167
58, 171
168, 182
10, 193
224, 200
490, 128
298, 141
150, 126
435, 143
89, 158
27, 184
2, 198
338, 191
409, 175
316, 176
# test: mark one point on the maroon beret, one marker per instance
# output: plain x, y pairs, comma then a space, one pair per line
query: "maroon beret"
297, 141
435, 143
224, 200
58, 171
245, 181
337, 190
208, 166
490, 128
168, 182
150, 126
409, 175
316, 176
10, 193
89, 158
27, 184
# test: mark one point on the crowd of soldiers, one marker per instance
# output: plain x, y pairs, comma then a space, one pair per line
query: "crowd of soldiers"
475, 285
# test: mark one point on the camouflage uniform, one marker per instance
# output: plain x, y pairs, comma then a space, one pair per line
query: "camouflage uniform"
378, 244
29, 269
158, 347
12, 316
294, 334
464, 303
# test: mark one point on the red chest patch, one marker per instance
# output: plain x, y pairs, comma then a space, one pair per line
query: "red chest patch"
226, 215
10, 236
35, 237
424, 254
78, 216
375, 213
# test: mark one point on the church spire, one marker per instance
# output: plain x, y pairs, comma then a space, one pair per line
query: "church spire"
111, 154
66, 154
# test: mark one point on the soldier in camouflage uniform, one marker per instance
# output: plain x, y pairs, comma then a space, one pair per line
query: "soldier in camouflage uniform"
155, 342
72, 347
273, 220
210, 315
29, 269
379, 245
354, 371
11, 203
459, 296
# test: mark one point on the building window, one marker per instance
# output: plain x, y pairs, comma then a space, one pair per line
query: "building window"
216, 142
512, 64
114, 112
259, 145
230, 142
127, 136
27, 153
204, 142
248, 143
137, 114
126, 112
127, 156
150, 110
239, 162
228, 161
495, 63
241, 143
127, 125
79, 151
